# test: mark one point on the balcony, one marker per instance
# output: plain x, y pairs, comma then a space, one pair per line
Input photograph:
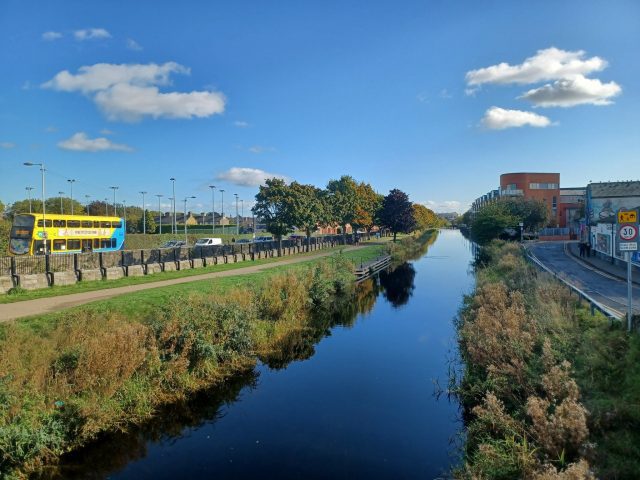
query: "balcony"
511, 192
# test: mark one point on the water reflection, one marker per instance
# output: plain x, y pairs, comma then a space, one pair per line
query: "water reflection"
398, 284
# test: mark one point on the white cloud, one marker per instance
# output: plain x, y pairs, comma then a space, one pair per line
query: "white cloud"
51, 129
247, 177
51, 36
260, 149
133, 45
444, 93
548, 64
446, 206
79, 142
7, 145
497, 118
106, 131
574, 91
241, 124
91, 34
130, 92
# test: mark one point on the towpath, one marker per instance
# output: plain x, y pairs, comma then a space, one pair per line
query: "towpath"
27, 308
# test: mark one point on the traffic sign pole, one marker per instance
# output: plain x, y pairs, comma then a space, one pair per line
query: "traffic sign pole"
629, 293
627, 241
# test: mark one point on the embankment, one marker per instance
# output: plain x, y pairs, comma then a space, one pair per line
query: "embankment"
550, 392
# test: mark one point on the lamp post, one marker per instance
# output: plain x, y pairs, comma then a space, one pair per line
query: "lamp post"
124, 208
28, 189
186, 239
222, 210
159, 212
237, 219
242, 210
71, 182
174, 226
144, 216
61, 208
106, 205
213, 209
87, 197
115, 208
44, 214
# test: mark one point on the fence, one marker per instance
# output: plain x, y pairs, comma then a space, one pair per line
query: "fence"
52, 263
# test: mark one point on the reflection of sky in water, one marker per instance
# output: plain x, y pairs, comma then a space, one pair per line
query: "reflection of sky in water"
361, 405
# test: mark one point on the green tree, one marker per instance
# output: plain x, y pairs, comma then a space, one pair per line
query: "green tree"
150, 222
367, 206
342, 200
426, 218
308, 208
533, 213
491, 220
52, 204
397, 213
274, 208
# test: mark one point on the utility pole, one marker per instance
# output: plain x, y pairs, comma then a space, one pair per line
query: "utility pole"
44, 213
71, 182
186, 239
144, 216
106, 205
237, 218
159, 212
222, 210
242, 210
61, 207
28, 189
87, 197
115, 208
174, 227
213, 209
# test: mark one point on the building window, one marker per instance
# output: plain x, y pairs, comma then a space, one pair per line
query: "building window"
554, 202
512, 186
543, 186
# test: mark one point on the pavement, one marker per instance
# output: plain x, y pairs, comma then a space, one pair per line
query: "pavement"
599, 279
27, 308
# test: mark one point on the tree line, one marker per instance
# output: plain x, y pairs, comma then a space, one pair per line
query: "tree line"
284, 207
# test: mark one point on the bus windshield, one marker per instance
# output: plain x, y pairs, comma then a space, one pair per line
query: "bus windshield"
21, 233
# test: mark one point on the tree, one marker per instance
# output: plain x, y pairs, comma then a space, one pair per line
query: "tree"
425, 218
533, 213
397, 213
342, 199
52, 205
491, 220
150, 222
308, 208
368, 204
274, 207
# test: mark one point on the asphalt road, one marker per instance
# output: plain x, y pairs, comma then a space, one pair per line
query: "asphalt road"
600, 286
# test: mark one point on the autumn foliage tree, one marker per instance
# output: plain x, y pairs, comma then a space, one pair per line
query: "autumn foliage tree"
396, 213
308, 208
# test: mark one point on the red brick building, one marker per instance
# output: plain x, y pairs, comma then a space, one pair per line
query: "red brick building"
538, 186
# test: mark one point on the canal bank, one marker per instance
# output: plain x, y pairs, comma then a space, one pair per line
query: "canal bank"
350, 396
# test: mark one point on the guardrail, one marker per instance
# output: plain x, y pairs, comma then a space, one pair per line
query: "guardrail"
367, 269
594, 304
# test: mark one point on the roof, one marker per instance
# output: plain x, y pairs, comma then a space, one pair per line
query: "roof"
614, 189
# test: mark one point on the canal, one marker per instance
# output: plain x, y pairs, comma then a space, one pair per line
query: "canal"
355, 397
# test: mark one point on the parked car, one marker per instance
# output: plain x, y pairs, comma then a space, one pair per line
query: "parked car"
206, 242
244, 240
297, 236
264, 239
174, 244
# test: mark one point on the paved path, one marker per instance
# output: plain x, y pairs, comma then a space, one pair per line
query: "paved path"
27, 308
601, 286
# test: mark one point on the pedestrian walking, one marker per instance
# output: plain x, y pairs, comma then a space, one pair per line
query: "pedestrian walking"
582, 249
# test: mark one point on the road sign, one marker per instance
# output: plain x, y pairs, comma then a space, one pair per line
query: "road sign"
630, 216
627, 232
628, 246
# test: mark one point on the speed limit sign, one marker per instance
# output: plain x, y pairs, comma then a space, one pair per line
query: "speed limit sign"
628, 232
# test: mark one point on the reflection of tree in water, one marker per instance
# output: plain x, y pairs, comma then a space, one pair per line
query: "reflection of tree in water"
397, 284
113, 452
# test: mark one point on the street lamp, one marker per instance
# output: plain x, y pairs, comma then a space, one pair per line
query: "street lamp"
174, 226
159, 212
61, 209
213, 209
115, 208
222, 210
106, 206
144, 217
237, 218
44, 213
186, 239
87, 197
124, 208
28, 189
71, 182
242, 211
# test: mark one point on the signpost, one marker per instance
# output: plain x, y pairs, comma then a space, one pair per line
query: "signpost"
628, 243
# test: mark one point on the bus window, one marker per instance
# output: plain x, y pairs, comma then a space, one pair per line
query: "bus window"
96, 224
40, 223
59, 223
105, 243
105, 224
59, 245
96, 243
86, 245
116, 224
113, 243
73, 224
73, 244
87, 224
38, 247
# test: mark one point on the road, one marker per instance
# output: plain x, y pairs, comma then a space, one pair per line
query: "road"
27, 308
600, 286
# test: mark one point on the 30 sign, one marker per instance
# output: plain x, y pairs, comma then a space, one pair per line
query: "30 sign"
628, 232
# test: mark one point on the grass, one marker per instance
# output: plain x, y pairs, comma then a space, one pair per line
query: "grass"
366, 253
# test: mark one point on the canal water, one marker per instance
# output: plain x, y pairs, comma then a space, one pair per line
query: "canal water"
356, 397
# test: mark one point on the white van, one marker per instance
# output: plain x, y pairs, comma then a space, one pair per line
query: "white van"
205, 242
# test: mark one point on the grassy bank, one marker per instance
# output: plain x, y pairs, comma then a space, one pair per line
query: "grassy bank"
67, 377
549, 391
411, 247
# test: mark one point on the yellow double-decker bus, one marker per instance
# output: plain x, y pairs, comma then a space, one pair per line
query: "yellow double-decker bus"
65, 234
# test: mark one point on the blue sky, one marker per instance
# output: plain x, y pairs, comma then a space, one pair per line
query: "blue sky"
398, 94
